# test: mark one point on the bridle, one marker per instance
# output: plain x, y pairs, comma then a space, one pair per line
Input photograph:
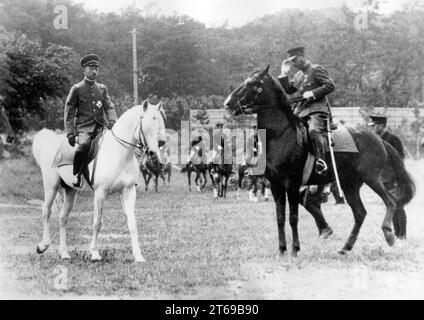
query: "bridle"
253, 94
141, 146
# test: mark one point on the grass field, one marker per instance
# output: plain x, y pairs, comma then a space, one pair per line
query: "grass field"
197, 248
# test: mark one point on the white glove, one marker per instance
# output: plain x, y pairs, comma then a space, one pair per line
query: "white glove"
219, 148
285, 69
308, 95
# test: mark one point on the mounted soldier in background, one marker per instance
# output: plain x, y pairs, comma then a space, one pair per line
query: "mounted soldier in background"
313, 85
88, 110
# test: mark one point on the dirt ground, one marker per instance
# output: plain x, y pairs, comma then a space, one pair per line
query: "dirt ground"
197, 248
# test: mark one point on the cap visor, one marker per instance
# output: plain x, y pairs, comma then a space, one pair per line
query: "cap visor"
291, 58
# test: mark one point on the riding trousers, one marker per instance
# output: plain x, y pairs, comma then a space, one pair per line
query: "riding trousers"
84, 141
317, 127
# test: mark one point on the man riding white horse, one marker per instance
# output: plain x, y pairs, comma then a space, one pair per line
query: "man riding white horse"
313, 84
86, 106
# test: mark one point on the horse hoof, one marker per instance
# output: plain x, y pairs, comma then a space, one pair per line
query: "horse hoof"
64, 257
390, 238
294, 253
280, 256
139, 259
95, 256
326, 233
343, 252
41, 251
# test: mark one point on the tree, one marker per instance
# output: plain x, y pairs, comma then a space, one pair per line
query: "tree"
33, 73
202, 117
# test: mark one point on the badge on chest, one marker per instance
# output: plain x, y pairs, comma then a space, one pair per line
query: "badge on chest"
99, 104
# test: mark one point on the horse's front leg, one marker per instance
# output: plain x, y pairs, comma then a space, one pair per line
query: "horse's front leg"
293, 197
99, 199
189, 179
196, 181
156, 183
68, 204
225, 185
279, 194
128, 196
204, 179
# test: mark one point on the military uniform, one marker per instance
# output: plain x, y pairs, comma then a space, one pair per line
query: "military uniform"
399, 217
395, 142
315, 82
88, 109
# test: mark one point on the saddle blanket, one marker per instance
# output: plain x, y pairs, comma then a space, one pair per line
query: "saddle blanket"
64, 155
342, 141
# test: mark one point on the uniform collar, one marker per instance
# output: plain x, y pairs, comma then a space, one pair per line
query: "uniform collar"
384, 132
88, 81
306, 67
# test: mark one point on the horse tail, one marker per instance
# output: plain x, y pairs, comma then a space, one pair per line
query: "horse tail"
406, 184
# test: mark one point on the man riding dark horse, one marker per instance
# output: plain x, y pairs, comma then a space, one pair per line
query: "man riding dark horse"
313, 84
87, 106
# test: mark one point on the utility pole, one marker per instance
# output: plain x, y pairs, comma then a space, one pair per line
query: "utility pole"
135, 70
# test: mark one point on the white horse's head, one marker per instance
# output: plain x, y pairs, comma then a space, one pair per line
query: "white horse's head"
153, 127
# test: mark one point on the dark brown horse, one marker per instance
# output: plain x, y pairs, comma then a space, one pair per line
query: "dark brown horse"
285, 159
151, 167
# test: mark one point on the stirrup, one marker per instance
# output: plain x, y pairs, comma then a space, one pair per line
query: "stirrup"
78, 183
320, 166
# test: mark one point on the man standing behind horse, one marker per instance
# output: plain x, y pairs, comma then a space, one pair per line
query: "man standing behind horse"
313, 85
86, 109
379, 126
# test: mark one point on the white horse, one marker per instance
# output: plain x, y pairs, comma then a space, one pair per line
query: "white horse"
116, 171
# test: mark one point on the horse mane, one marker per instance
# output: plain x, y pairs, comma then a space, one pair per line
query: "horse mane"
284, 101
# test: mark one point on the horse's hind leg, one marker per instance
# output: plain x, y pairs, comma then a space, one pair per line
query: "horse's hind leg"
128, 197
378, 187
353, 198
50, 191
99, 198
68, 203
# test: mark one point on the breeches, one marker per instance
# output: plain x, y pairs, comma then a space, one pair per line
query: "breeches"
84, 140
317, 122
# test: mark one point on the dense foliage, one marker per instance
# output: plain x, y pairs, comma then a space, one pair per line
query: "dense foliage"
379, 64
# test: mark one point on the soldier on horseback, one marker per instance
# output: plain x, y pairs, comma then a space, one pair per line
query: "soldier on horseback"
86, 106
313, 84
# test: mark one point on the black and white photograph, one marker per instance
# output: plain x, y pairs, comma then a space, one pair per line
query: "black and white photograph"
187, 150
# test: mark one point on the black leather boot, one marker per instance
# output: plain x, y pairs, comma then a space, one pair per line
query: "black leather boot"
79, 161
319, 149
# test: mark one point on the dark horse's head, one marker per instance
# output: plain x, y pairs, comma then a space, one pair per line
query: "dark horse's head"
258, 91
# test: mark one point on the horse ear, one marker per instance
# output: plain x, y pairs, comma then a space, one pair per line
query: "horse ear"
145, 106
264, 71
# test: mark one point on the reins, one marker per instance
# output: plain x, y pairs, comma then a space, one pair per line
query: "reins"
142, 146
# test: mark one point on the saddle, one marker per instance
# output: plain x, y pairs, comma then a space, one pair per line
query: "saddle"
65, 156
342, 141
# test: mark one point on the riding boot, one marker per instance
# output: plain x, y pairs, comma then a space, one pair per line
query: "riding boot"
79, 161
319, 149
